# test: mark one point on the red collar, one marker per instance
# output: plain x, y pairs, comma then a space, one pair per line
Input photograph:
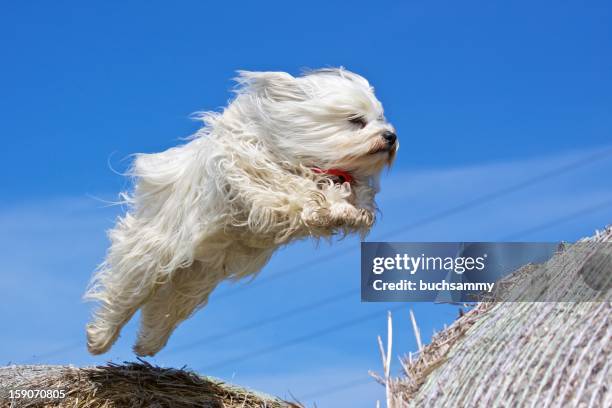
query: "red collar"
343, 176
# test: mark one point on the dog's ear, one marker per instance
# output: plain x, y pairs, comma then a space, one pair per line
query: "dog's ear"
277, 86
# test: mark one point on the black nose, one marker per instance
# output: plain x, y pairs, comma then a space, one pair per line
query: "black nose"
390, 137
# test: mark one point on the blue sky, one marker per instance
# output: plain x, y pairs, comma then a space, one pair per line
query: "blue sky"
483, 95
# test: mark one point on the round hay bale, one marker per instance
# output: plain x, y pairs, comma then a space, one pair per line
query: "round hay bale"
519, 353
127, 385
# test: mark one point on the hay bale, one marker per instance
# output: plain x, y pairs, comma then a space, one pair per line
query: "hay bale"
137, 384
525, 353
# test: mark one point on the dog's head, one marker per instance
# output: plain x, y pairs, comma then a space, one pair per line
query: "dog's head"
327, 118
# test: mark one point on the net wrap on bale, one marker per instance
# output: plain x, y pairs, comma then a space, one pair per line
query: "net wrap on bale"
524, 354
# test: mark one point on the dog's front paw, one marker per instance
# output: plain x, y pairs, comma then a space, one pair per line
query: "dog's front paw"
356, 218
340, 215
316, 217
365, 219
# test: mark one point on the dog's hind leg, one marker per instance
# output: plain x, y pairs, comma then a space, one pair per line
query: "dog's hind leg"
104, 330
129, 276
121, 297
172, 303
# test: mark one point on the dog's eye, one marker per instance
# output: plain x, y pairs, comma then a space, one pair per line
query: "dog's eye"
359, 121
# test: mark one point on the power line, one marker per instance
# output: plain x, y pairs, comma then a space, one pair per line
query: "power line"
553, 223
339, 387
296, 340
219, 336
504, 191
263, 322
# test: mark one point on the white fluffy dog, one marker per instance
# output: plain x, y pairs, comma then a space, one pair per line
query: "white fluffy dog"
290, 157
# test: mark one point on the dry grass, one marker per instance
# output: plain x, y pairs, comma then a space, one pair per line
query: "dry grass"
137, 384
418, 367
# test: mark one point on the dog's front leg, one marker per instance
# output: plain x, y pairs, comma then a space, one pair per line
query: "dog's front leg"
327, 211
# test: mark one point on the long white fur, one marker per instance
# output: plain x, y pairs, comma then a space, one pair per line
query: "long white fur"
218, 206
